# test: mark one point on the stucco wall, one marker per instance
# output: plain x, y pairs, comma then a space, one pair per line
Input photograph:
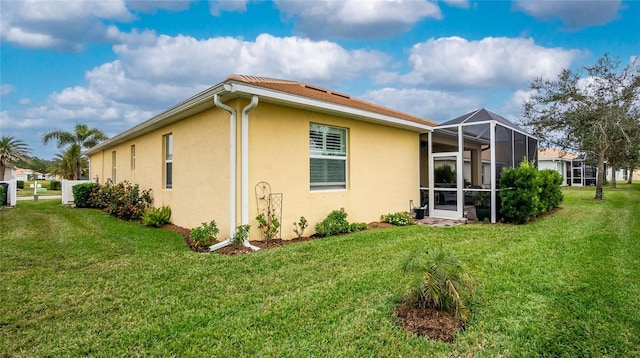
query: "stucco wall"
200, 168
382, 166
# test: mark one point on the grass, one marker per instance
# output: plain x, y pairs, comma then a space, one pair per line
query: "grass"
27, 191
77, 282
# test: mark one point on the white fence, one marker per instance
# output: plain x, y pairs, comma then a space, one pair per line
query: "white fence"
12, 192
67, 192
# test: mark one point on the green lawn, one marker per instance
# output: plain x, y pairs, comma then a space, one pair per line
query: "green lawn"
75, 282
27, 191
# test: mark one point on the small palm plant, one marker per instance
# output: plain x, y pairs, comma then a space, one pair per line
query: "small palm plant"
441, 283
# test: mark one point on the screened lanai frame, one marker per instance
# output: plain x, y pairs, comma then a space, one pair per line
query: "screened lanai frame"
486, 143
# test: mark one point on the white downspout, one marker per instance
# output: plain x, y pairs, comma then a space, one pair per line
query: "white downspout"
232, 171
245, 166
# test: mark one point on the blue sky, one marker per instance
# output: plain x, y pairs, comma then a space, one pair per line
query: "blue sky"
112, 64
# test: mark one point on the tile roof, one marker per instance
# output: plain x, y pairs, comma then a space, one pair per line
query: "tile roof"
325, 95
551, 153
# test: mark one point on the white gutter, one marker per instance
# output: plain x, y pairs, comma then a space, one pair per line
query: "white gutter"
245, 166
232, 170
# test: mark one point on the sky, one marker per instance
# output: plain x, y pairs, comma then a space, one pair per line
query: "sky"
113, 64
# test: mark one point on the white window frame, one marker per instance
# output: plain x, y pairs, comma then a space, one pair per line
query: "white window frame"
133, 157
320, 148
167, 152
114, 171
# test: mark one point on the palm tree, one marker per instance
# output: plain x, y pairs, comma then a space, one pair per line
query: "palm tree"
82, 138
64, 164
12, 150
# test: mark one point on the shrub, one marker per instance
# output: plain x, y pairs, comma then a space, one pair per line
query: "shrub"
205, 234
127, 202
444, 174
519, 193
441, 282
269, 227
3, 195
336, 223
156, 217
241, 234
549, 192
20, 184
299, 227
401, 218
54, 185
82, 194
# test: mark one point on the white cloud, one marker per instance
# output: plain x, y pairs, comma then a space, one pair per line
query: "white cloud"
454, 62
458, 3
216, 7
25, 101
181, 60
6, 90
60, 25
438, 106
574, 14
357, 19
152, 6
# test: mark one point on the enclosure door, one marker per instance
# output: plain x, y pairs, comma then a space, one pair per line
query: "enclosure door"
445, 198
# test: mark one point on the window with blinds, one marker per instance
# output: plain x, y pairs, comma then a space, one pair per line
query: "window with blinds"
328, 157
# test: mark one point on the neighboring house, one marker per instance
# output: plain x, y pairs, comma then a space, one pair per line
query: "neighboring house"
30, 174
574, 169
10, 172
208, 157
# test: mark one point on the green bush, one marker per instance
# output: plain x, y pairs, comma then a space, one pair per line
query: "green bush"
441, 282
55, 185
550, 193
401, 218
336, 223
3, 195
156, 217
519, 189
269, 227
20, 184
82, 194
241, 234
444, 174
205, 234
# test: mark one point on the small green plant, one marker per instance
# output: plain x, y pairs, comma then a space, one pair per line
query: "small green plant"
156, 217
401, 218
441, 282
299, 227
269, 227
241, 235
336, 223
205, 234
482, 198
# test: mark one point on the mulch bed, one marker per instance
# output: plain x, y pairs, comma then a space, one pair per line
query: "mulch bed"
236, 250
429, 322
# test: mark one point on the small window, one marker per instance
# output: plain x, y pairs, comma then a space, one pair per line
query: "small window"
133, 157
328, 157
113, 166
168, 161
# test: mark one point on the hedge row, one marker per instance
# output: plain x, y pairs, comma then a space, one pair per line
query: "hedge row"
526, 192
123, 200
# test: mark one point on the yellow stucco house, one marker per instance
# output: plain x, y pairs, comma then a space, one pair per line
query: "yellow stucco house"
210, 156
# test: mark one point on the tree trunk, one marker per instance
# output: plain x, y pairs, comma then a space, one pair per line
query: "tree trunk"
613, 176
2, 169
630, 176
600, 179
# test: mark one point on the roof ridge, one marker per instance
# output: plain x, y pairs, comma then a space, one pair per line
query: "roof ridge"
258, 79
